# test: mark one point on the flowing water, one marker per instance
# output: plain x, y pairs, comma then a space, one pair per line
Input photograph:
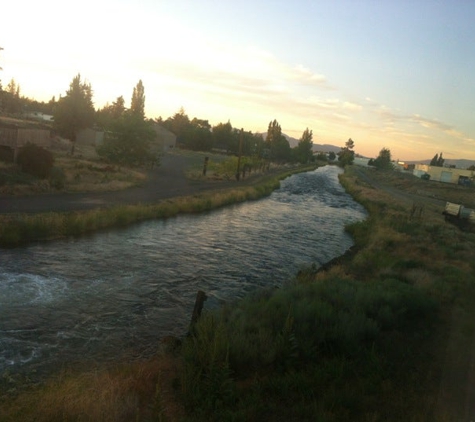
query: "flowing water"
109, 294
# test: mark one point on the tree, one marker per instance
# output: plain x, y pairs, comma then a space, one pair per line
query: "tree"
331, 156
383, 161
178, 124
190, 134
274, 133
440, 161
137, 105
128, 142
224, 137
347, 155
129, 139
276, 143
303, 150
198, 137
75, 111
12, 102
109, 113
437, 161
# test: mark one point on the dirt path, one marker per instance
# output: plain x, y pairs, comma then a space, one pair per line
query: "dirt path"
167, 181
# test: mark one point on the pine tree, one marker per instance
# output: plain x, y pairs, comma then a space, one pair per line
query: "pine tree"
303, 149
347, 155
137, 105
75, 111
440, 161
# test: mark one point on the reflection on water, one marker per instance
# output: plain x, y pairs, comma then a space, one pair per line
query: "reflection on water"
119, 292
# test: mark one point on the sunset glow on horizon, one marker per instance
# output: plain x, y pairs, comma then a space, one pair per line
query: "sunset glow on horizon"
393, 74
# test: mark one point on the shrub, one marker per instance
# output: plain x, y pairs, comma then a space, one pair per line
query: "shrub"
36, 161
306, 322
57, 178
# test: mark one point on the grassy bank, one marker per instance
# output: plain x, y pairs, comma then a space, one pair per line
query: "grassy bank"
384, 335
20, 229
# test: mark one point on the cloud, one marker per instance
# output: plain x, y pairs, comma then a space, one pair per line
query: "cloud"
305, 76
352, 106
431, 123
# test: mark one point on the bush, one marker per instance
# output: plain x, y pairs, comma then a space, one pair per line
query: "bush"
303, 323
36, 161
57, 178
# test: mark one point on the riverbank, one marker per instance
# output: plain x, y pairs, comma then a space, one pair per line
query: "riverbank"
386, 334
22, 228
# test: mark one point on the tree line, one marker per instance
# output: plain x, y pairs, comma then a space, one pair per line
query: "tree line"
129, 135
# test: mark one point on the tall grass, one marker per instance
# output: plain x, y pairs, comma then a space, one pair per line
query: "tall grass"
282, 335
363, 340
128, 392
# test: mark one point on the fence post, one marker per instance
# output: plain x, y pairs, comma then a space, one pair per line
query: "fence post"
199, 302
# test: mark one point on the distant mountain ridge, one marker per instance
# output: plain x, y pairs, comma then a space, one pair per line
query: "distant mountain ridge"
316, 147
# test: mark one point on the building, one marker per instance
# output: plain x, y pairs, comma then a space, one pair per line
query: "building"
41, 117
165, 138
445, 174
361, 161
14, 136
90, 136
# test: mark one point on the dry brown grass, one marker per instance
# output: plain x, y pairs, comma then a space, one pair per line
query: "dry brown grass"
142, 390
83, 173
86, 175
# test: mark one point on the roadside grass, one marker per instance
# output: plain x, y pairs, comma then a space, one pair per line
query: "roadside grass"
385, 334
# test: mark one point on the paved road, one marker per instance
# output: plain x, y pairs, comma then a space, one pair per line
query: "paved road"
166, 181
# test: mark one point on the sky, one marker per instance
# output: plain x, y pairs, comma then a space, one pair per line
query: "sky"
396, 74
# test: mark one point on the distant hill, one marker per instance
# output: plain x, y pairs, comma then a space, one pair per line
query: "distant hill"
458, 163
326, 148
316, 147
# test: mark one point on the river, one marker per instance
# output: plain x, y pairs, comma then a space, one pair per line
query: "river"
117, 293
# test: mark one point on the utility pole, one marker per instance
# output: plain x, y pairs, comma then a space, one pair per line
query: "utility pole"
239, 156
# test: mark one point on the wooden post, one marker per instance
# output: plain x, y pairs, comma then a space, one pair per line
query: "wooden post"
199, 302
205, 165
239, 157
